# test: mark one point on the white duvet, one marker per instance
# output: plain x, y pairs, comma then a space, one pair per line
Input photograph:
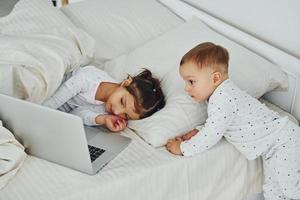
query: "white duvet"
12, 156
37, 62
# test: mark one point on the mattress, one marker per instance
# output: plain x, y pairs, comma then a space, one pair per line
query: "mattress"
144, 172
141, 172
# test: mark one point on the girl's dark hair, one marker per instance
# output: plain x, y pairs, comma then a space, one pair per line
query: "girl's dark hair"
148, 94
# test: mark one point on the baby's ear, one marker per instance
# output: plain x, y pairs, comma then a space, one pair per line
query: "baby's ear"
127, 81
217, 78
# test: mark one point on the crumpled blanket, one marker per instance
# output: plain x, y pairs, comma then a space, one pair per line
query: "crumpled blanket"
37, 62
12, 155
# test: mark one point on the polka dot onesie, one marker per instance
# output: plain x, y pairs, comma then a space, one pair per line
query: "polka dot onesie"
255, 131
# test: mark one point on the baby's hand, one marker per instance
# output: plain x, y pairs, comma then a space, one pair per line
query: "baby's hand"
173, 146
115, 123
189, 134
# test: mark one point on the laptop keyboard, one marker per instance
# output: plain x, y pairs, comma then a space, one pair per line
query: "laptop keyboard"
95, 152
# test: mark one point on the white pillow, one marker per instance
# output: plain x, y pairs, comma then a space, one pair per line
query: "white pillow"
180, 114
38, 44
120, 26
249, 71
29, 16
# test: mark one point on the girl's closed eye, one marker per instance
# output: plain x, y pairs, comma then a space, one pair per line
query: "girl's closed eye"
123, 102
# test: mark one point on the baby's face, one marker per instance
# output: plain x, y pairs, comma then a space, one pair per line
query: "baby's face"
198, 82
121, 103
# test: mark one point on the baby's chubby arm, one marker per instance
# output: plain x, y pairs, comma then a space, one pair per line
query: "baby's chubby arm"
188, 135
221, 112
173, 145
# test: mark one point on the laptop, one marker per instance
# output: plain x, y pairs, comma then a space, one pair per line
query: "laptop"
60, 137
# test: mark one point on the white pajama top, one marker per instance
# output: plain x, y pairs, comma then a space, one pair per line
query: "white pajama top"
77, 94
245, 122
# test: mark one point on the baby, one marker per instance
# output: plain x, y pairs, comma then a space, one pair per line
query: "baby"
244, 122
98, 99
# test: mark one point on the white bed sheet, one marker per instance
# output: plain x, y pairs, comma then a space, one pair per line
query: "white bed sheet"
142, 172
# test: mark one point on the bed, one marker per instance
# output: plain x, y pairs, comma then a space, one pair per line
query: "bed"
120, 37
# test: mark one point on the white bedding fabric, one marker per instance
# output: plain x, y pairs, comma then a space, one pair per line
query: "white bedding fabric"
12, 156
120, 26
38, 44
39, 60
142, 172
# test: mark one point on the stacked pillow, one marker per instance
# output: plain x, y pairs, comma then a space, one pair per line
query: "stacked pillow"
30, 16
120, 26
162, 56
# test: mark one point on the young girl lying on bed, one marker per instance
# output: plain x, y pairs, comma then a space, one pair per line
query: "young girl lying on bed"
246, 123
98, 99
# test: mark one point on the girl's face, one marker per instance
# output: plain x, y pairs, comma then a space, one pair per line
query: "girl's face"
121, 103
199, 83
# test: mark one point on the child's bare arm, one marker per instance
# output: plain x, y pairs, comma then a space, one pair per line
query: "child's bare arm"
188, 135
100, 119
173, 146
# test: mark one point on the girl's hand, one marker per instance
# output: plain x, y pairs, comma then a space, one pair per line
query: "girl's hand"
115, 123
173, 146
